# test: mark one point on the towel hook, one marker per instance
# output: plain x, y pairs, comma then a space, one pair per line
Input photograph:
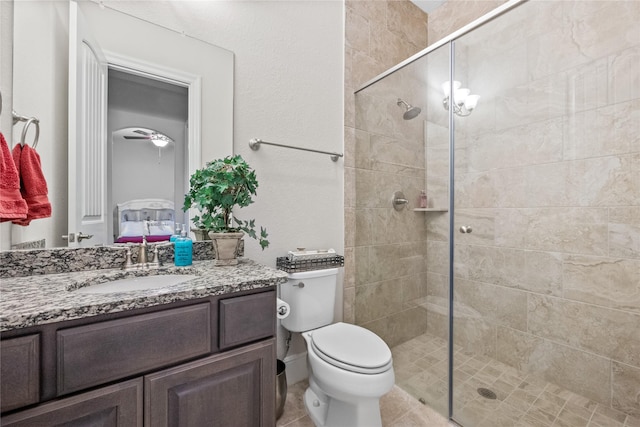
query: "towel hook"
26, 128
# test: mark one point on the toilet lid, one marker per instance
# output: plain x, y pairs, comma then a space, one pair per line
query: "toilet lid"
352, 348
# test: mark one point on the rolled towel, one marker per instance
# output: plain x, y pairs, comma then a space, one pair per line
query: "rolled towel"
12, 204
33, 186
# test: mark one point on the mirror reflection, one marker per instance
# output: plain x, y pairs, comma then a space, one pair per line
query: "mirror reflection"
159, 82
147, 121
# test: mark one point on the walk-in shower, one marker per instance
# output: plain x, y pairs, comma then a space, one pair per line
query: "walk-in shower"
513, 299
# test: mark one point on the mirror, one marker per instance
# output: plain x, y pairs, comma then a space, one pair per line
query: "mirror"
137, 51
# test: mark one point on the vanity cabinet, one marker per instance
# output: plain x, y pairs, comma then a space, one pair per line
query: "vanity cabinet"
209, 361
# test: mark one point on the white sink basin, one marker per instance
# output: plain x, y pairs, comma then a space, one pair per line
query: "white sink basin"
136, 283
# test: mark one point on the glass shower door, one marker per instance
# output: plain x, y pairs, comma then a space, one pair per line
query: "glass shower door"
547, 194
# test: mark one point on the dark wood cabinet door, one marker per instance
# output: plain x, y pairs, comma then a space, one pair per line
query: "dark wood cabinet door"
233, 389
20, 372
119, 405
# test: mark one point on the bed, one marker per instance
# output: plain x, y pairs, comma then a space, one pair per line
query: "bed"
130, 218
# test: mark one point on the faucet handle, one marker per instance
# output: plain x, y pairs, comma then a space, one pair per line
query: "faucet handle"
155, 259
128, 263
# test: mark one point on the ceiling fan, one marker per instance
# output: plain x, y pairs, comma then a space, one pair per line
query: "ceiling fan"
159, 139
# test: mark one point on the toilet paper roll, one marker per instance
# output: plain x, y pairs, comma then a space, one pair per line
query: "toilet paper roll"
282, 309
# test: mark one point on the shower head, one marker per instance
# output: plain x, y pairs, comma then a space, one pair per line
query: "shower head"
411, 112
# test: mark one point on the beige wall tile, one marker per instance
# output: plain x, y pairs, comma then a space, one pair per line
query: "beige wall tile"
624, 232
356, 32
349, 147
363, 69
498, 266
350, 227
609, 130
348, 314
543, 273
624, 81
377, 300
610, 282
625, 390
400, 327
437, 289
573, 230
438, 322
349, 187
349, 267
453, 15
475, 335
556, 363
611, 333
408, 22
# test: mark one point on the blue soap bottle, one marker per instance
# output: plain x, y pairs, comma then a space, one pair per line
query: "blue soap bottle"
183, 250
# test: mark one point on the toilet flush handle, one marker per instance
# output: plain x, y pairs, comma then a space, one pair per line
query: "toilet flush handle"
299, 285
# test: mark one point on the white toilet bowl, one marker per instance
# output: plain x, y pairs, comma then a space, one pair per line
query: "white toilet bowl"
350, 369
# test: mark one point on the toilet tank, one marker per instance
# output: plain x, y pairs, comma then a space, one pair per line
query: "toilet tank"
311, 296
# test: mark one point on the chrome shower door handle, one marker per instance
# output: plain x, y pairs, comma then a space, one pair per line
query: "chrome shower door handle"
465, 229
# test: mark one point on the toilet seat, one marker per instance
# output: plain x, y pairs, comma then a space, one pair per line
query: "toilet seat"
352, 348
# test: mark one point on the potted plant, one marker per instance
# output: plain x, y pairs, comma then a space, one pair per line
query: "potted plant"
214, 191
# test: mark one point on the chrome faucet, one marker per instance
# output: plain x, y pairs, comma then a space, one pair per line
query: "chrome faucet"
142, 251
142, 261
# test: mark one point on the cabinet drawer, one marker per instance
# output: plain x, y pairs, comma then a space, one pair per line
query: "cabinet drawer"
20, 372
107, 351
247, 318
117, 405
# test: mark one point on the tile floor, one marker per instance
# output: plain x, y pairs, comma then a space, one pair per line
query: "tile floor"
521, 400
421, 376
397, 407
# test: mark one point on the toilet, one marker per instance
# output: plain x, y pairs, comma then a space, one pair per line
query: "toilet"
350, 367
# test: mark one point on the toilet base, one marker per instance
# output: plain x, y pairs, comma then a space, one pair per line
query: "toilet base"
325, 411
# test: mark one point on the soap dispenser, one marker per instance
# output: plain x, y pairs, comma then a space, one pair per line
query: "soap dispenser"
183, 250
177, 232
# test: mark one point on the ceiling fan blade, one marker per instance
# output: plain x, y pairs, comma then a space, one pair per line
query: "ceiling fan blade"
136, 137
141, 132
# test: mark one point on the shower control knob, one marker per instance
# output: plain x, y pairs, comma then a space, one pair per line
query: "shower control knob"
465, 229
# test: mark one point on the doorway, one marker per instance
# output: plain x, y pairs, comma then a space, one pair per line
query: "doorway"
139, 166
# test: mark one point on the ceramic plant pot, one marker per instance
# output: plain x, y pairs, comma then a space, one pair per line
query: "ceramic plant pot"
200, 234
225, 247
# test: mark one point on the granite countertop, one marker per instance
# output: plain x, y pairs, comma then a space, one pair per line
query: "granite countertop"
36, 300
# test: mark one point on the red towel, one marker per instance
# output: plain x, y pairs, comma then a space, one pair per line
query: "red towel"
12, 205
33, 186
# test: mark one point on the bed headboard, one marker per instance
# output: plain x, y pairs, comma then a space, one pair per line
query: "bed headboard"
130, 216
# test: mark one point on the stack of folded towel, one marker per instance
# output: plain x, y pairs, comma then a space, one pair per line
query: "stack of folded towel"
23, 189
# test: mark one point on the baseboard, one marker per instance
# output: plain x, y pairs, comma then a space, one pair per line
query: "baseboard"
296, 368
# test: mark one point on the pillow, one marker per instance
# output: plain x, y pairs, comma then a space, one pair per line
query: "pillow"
131, 228
161, 228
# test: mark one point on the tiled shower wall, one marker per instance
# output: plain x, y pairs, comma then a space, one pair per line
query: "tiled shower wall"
548, 177
384, 246
379, 34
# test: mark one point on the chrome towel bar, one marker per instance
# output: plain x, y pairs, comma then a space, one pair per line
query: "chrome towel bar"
255, 146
